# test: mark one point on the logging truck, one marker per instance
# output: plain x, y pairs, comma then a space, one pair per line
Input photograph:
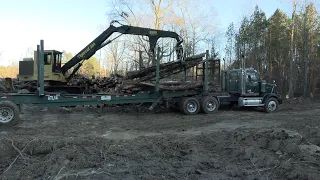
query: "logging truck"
241, 87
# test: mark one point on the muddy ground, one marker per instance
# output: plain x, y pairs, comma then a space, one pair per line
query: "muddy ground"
97, 143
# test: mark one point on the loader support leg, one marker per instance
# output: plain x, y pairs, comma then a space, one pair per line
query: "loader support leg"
155, 103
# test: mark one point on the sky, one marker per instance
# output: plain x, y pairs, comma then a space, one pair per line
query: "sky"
71, 24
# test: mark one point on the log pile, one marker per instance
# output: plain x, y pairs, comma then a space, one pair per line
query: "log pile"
97, 84
135, 81
8, 85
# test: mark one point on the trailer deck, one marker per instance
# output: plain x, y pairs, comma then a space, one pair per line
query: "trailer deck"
58, 99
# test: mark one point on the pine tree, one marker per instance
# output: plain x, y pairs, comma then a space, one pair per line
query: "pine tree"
230, 35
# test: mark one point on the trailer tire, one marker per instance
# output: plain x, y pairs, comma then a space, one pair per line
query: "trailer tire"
209, 104
190, 106
9, 113
271, 105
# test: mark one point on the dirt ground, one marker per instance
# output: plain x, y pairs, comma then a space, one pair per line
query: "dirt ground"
101, 143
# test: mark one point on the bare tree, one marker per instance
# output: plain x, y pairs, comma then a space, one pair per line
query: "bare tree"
115, 54
159, 11
196, 27
122, 10
125, 11
29, 53
292, 50
175, 15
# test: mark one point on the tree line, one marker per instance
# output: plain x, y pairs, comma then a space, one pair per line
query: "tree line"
284, 49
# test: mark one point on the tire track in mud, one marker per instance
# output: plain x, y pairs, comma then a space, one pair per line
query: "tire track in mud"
96, 144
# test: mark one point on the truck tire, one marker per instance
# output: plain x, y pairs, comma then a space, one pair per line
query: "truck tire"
190, 106
9, 113
271, 105
209, 104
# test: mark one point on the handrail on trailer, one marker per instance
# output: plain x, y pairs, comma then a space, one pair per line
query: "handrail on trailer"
40, 60
205, 73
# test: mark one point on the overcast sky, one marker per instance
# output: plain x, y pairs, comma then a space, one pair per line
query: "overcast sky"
71, 24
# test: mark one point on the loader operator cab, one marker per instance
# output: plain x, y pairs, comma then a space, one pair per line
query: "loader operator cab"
52, 60
28, 68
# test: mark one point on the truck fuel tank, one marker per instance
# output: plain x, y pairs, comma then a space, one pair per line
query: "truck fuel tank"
250, 101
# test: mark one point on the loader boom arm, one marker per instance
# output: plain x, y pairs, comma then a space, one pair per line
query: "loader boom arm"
100, 42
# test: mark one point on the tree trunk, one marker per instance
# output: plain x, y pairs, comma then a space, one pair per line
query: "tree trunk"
291, 51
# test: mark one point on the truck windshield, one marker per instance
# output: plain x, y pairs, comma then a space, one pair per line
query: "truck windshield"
251, 76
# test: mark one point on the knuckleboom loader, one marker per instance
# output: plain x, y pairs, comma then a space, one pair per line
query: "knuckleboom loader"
56, 74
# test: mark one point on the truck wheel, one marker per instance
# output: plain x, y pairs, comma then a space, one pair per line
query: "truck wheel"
9, 113
190, 105
271, 105
209, 104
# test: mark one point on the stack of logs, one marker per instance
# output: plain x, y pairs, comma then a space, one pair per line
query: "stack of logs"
144, 79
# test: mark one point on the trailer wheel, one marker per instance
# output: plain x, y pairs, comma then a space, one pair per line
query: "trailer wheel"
9, 113
190, 105
271, 105
209, 104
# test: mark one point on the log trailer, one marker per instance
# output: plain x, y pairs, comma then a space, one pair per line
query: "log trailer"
241, 87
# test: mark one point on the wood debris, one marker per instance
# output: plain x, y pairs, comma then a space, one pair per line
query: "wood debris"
135, 81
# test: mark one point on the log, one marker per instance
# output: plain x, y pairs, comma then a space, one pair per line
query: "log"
193, 60
166, 72
140, 80
182, 86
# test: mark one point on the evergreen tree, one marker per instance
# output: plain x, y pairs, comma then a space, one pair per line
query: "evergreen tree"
230, 35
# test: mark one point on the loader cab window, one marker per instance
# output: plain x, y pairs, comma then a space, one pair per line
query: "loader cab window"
47, 58
57, 62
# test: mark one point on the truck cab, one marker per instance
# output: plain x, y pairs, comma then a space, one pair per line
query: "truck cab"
245, 88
